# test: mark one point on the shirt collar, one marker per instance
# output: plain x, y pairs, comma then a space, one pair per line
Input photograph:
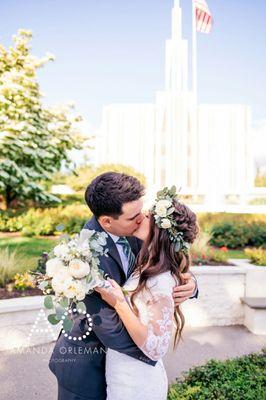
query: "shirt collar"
114, 237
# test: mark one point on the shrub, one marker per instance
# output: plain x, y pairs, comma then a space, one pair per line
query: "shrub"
86, 173
229, 234
10, 264
235, 235
257, 235
44, 221
257, 256
208, 220
202, 253
238, 379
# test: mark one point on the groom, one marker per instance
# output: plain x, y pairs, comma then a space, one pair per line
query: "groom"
78, 360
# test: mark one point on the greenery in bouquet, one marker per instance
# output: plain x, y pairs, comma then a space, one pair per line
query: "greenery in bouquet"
72, 272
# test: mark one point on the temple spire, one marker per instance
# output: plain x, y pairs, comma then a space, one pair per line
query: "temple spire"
176, 64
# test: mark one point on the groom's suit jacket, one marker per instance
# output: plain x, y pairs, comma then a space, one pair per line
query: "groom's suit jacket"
80, 366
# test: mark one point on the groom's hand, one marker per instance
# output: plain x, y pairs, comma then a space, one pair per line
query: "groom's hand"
183, 292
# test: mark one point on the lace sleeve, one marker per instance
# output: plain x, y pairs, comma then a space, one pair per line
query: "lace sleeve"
160, 311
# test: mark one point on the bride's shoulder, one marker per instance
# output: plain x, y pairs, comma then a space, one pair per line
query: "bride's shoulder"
163, 282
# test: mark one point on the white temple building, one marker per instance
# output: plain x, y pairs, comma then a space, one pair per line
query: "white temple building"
204, 149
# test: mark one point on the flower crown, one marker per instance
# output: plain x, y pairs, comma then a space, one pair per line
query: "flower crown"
163, 210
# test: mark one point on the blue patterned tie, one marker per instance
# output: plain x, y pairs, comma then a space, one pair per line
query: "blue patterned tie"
128, 253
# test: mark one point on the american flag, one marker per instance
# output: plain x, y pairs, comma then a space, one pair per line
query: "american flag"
203, 16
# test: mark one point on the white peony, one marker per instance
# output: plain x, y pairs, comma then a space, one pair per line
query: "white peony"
61, 280
73, 288
53, 266
61, 250
78, 268
165, 223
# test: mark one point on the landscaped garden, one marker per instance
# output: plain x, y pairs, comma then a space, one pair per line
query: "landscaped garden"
25, 234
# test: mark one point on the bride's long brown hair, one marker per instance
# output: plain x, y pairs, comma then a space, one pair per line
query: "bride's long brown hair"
157, 255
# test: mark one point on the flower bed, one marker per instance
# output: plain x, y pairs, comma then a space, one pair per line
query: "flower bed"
6, 294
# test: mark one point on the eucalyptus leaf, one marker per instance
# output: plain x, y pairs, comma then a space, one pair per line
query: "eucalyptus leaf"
42, 285
81, 306
52, 318
48, 302
64, 302
59, 311
177, 246
68, 324
170, 210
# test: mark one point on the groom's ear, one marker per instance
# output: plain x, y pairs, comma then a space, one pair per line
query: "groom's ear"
105, 221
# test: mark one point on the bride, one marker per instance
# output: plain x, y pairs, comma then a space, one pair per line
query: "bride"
145, 302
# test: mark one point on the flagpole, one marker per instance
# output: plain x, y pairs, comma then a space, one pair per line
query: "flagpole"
194, 53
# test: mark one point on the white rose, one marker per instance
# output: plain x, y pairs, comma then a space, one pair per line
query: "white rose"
61, 250
166, 223
53, 266
160, 210
78, 268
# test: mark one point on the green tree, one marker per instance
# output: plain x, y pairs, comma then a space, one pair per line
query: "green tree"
85, 174
34, 139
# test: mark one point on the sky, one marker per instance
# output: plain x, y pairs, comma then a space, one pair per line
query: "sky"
110, 51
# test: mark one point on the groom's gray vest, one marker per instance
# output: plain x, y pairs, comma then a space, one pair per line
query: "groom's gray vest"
80, 366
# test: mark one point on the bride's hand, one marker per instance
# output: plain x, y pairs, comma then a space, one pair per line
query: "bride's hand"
112, 295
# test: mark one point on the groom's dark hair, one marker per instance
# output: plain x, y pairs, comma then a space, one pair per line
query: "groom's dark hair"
107, 193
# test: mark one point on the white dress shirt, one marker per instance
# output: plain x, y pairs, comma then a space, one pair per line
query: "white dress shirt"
122, 255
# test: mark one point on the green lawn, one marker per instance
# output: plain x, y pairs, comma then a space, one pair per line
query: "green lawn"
29, 248
237, 254
32, 248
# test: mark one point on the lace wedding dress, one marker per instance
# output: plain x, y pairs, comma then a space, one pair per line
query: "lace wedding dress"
132, 379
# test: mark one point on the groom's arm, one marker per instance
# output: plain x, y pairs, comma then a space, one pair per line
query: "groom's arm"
186, 291
110, 330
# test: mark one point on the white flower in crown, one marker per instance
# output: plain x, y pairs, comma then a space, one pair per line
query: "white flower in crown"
78, 269
165, 203
161, 208
165, 223
53, 267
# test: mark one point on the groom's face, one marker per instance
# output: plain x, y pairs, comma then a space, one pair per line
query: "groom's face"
128, 221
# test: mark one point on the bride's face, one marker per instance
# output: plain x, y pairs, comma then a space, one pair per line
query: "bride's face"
144, 228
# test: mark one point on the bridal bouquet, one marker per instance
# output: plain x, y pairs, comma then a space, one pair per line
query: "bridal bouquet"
72, 271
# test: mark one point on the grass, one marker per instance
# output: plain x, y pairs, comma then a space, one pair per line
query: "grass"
236, 254
29, 249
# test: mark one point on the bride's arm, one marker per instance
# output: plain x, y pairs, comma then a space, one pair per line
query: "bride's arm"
115, 298
153, 339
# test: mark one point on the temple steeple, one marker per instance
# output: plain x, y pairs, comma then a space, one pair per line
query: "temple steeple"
176, 55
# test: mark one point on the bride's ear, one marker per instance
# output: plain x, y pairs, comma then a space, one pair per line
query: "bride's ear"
105, 221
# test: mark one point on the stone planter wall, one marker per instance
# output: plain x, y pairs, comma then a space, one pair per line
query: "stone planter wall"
220, 292
219, 304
